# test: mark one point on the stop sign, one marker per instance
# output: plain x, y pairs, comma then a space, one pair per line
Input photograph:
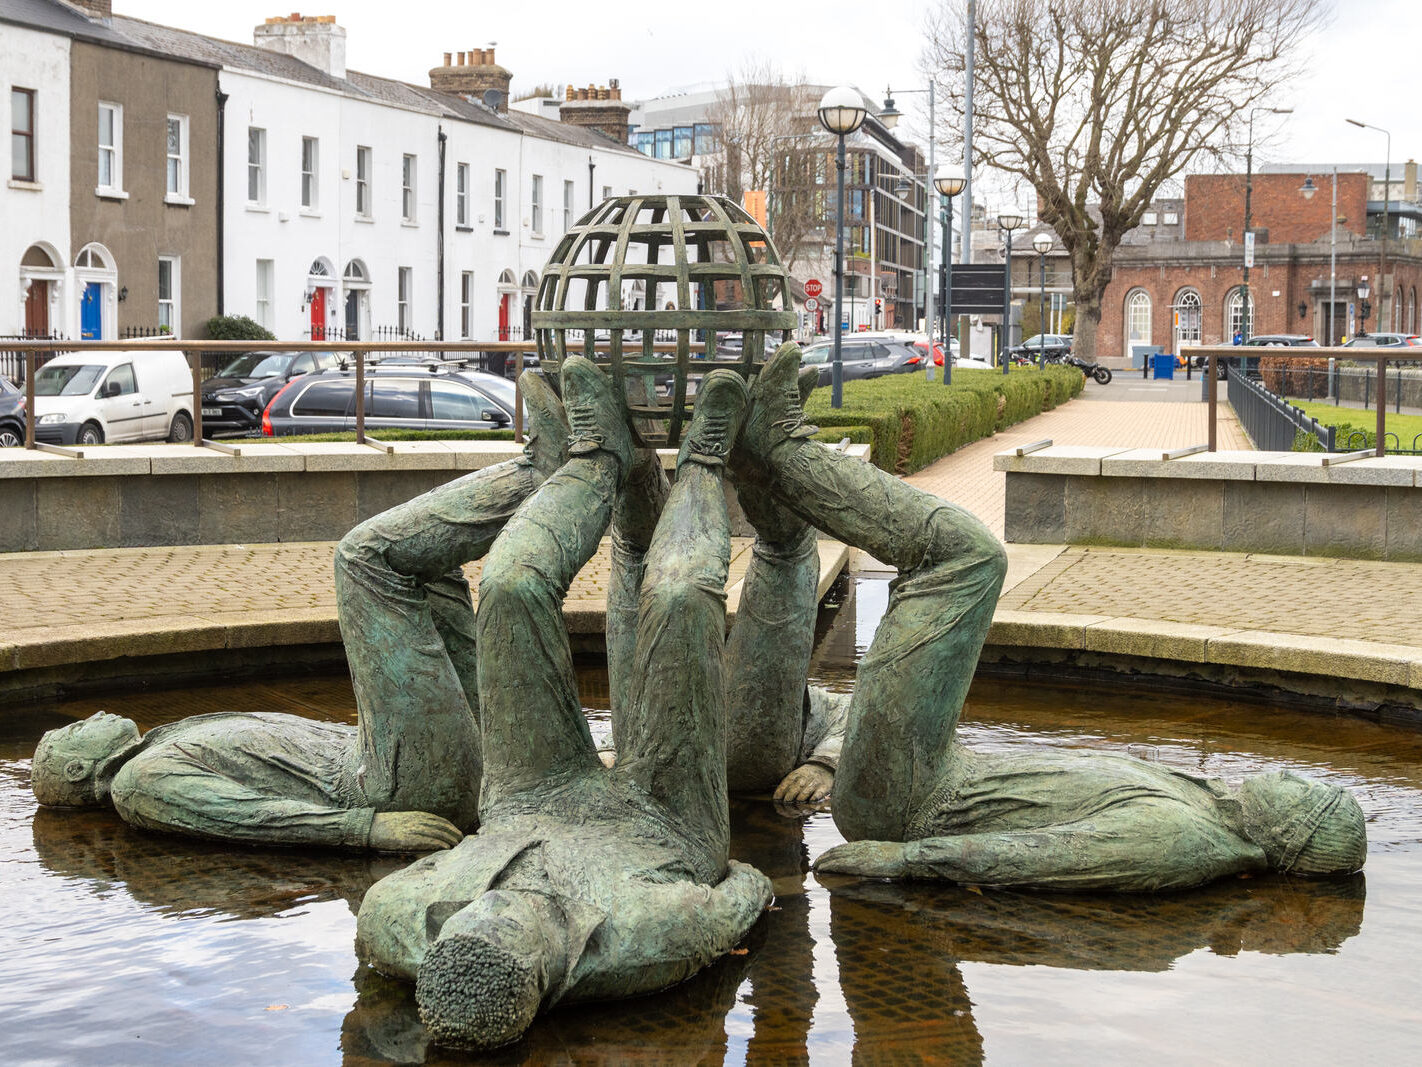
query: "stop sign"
813, 287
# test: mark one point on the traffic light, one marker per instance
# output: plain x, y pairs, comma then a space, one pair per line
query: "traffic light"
878, 305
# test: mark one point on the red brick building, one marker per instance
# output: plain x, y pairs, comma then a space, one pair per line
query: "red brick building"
1170, 292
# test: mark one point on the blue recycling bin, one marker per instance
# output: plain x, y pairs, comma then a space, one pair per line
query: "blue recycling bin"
1163, 365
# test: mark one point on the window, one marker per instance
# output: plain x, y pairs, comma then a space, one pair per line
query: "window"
310, 157
394, 398
110, 148
168, 294
121, 376
606, 192
567, 206
256, 165
363, 165
22, 135
704, 139
466, 304
263, 302
1137, 319
1234, 313
681, 142
328, 398
461, 196
454, 400
1171, 218
1187, 318
404, 280
1149, 218
535, 201
177, 149
646, 143
407, 188
664, 144
500, 182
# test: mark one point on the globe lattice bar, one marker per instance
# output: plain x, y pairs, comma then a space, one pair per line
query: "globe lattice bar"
637, 271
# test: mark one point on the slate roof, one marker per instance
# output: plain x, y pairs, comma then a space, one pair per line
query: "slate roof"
51, 17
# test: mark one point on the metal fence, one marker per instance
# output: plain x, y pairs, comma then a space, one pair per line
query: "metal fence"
1271, 421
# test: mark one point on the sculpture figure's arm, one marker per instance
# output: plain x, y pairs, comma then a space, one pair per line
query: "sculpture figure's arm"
819, 752
1154, 854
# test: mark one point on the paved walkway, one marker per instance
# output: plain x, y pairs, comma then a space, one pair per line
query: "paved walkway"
1326, 617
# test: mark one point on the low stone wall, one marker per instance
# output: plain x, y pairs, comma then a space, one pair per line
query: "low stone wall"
144, 496
1286, 503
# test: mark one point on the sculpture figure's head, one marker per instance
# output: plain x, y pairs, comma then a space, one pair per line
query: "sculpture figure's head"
71, 763
1304, 826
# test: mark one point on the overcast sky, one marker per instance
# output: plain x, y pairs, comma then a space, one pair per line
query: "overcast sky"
1363, 67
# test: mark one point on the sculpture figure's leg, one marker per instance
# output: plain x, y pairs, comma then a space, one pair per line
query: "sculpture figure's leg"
408, 626
673, 735
532, 720
912, 682
634, 518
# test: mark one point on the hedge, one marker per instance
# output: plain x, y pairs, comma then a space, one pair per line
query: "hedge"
912, 422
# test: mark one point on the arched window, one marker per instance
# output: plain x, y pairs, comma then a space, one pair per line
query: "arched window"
1234, 313
320, 268
355, 272
94, 257
40, 257
530, 280
1187, 318
507, 279
1137, 319
1412, 310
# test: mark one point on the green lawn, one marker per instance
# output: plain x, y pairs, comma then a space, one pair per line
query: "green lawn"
1405, 427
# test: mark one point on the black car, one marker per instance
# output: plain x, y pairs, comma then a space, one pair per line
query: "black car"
1054, 345
233, 399
1281, 340
862, 358
399, 396
12, 415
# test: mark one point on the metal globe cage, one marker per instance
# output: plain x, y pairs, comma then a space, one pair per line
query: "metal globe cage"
647, 287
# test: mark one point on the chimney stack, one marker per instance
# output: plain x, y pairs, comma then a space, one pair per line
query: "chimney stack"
474, 78
598, 107
94, 9
313, 39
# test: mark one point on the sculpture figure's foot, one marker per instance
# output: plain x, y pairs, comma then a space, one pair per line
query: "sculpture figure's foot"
476, 994
776, 413
547, 447
595, 414
720, 407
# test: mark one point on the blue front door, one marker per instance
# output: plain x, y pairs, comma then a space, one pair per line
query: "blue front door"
91, 318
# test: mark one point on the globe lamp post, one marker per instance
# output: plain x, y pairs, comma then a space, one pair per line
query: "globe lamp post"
1007, 222
1043, 243
949, 181
841, 112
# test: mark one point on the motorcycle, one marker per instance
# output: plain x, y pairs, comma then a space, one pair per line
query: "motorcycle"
1095, 371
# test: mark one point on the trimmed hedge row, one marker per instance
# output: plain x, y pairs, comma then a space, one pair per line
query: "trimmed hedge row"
912, 422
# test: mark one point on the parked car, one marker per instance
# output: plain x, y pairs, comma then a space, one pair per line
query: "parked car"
12, 415
234, 398
861, 358
1055, 345
396, 397
88, 398
1281, 340
1384, 340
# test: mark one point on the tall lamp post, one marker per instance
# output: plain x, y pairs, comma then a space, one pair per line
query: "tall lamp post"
1245, 327
841, 112
1043, 243
1364, 291
949, 181
890, 116
1007, 221
1387, 189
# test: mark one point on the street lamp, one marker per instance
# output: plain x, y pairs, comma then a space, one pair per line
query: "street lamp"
841, 112
1387, 188
949, 181
1043, 243
1364, 291
1245, 328
1007, 221
890, 116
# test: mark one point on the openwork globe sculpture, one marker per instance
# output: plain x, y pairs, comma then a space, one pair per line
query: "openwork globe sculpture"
648, 286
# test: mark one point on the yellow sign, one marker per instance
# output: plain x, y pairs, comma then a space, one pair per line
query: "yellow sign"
754, 201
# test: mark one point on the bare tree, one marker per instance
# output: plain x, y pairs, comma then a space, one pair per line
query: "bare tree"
1096, 103
767, 129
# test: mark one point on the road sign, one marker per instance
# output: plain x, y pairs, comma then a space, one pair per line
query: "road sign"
1249, 249
978, 288
811, 304
813, 287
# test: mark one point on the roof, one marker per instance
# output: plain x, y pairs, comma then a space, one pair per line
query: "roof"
48, 16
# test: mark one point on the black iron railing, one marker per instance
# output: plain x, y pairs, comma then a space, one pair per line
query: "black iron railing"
1271, 421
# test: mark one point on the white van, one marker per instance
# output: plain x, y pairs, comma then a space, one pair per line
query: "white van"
88, 398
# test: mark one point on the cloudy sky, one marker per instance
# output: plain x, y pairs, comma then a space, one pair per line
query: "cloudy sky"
1362, 67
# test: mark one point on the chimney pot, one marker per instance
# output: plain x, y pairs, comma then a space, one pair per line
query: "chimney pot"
489, 56
447, 58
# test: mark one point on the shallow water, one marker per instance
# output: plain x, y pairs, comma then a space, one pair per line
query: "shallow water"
131, 948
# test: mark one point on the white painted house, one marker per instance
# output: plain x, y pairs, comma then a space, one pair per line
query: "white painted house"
354, 205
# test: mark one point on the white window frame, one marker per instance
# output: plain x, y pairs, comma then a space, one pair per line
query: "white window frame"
173, 302
262, 304
365, 162
409, 174
1138, 318
607, 192
113, 151
567, 205
501, 185
535, 205
257, 167
176, 166
466, 304
461, 195
404, 282
1234, 314
311, 174
29, 134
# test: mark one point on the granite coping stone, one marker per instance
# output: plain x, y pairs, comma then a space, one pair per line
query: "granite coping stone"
1293, 467
1308, 467
1059, 459
1147, 463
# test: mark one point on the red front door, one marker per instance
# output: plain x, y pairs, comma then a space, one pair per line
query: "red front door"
318, 315
37, 309
504, 316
